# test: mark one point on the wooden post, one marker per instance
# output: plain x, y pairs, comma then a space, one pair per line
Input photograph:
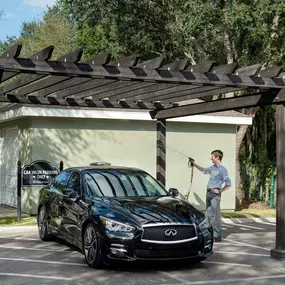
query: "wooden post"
279, 251
161, 150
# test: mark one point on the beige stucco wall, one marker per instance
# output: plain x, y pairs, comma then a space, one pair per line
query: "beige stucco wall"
79, 142
22, 152
197, 141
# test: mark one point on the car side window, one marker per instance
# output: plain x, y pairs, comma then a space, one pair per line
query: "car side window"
74, 182
61, 180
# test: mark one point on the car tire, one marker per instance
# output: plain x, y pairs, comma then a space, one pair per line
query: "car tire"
92, 247
43, 225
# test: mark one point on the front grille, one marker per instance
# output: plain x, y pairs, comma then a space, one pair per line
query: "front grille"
169, 233
161, 254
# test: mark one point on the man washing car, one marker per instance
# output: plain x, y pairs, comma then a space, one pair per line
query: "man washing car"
218, 177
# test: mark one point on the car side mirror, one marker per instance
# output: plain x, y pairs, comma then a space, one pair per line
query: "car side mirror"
70, 193
173, 192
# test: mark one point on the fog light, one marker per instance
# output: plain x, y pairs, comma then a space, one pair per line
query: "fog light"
114, 251
118, 250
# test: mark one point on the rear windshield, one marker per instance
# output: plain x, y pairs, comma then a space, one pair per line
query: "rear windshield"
120, 183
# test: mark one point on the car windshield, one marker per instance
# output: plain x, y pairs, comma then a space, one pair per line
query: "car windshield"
122, 183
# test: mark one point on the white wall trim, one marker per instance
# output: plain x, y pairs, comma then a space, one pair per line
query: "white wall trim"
116, 115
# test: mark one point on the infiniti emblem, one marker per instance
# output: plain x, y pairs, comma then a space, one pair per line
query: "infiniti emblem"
170, 232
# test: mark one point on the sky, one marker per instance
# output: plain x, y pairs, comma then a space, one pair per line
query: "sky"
15, 12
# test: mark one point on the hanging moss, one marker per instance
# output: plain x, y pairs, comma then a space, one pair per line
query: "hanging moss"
258, 154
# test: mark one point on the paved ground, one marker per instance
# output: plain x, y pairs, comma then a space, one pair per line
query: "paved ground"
242, 258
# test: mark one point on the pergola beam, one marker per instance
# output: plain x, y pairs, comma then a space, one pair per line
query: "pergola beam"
251, 70
129, 90
82, 89
101, 90
204, 67
42, 56
142, 90
14, 51
260, 99
127, 61
96, 71
56, 83
86, 90
196, 93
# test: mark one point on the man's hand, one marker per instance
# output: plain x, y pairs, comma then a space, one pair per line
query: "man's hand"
191, 162
225, 188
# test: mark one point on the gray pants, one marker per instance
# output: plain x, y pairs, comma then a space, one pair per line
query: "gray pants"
213, 201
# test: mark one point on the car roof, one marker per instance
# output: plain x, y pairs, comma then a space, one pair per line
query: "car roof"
106, 167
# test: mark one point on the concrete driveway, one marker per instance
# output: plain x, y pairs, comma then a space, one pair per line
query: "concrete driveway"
243, 257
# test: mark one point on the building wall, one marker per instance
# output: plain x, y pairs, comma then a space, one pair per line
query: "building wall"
198, 141
78, 142
10, 153
29, 194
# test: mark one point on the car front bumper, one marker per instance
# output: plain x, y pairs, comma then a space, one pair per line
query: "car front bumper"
134, 249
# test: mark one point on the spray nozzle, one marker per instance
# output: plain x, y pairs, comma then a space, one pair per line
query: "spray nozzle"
190, 162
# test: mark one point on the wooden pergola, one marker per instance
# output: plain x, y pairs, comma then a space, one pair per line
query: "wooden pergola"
128, 83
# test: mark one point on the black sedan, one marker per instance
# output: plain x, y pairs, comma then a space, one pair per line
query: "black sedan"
117, 213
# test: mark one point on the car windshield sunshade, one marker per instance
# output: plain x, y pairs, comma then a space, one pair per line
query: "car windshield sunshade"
119, 183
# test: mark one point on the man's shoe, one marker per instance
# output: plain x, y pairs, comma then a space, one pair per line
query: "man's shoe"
217, 239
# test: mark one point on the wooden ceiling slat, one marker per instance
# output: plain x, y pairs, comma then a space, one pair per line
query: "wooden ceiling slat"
200, 93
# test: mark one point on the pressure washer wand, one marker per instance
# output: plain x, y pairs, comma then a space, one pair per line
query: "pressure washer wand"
173, 149
190, 164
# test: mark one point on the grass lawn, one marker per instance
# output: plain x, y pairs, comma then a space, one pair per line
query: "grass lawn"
12, 221
250, 213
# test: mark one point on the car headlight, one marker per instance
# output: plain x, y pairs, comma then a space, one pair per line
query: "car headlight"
115, 226
205, 224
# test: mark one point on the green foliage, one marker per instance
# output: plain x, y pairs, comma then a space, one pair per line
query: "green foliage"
6, 44
198, 29
258, 153
12, 221
54, 29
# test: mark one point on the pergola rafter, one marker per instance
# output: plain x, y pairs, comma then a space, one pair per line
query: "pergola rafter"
160, 88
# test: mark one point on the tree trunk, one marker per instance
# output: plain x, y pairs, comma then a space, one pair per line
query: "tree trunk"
240, 194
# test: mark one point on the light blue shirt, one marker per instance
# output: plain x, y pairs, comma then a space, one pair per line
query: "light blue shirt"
218, 176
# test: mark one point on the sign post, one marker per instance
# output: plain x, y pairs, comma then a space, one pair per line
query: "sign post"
38, 173
19, 192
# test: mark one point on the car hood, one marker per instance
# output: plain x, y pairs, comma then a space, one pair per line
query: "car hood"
144, 210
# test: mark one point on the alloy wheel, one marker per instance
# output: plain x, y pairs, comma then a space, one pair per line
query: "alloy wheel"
42, 222
90, 245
